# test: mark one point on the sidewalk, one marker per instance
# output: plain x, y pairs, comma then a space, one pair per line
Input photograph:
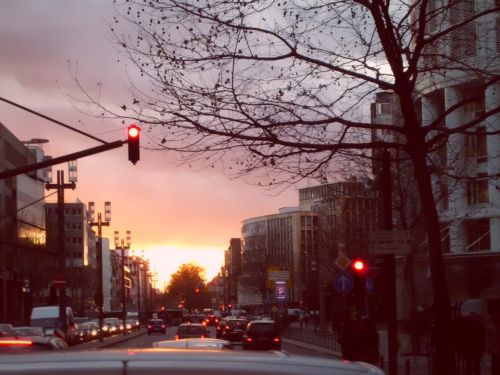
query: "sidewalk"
408, 364
327, 344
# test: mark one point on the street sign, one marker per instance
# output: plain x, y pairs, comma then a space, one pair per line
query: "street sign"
395, 242
342, 262
369, 285
280, 290
275, 274
343, 282
59, 281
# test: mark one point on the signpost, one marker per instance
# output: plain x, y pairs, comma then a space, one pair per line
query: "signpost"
343, 282
396, 242
280, 290
59, 281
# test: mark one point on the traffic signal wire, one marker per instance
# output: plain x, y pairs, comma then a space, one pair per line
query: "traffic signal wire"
51, 119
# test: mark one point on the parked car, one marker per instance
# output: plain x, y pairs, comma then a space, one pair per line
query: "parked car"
191, 330
47, 317
29, 331
157, 326
233, 329
30, 344
262, 334
6, 330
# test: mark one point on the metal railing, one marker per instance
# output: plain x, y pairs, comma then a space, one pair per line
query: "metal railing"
312, 336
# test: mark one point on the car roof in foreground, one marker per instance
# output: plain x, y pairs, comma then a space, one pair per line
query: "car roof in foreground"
194, 343
176, 362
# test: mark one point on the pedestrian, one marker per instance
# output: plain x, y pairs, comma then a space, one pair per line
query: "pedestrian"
492, 341
348, 340
468, 340
368, 341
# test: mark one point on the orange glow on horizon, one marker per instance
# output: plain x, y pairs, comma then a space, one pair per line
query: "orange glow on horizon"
166, 260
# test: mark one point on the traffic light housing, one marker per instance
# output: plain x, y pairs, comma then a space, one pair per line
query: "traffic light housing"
134, 136
359, 284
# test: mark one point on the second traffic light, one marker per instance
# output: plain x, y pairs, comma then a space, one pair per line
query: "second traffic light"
359, 284
134, 135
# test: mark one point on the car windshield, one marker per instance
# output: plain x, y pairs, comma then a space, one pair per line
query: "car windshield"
330, 167
190, 329
262, 328
45, 322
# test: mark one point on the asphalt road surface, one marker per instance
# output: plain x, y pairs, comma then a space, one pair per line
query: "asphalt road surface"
146, 341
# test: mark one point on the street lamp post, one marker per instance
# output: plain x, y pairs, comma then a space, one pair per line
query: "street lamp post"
99, 224
61, 240
123, 245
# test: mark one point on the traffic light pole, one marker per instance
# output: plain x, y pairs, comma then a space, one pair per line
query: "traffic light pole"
390, 267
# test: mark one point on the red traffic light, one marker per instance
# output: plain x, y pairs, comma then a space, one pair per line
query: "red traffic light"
359, 266
134, 133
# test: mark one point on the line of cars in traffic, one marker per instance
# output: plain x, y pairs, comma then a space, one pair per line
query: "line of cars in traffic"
251, 332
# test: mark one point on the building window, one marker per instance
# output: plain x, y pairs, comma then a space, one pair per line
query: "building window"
66, 211
497, 30
463, 39
478, 235
477, 191
476, 145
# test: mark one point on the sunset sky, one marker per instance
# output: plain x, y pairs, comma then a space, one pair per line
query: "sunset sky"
176, 214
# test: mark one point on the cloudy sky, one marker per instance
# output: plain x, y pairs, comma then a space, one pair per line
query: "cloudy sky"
175, 214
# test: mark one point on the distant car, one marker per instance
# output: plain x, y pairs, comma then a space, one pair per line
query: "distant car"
233, 329
211, 320
132, 324
29, 331
191, 330
6, 330
262, 334
111, 326
194, 343
157, 326
196, 318
220, 328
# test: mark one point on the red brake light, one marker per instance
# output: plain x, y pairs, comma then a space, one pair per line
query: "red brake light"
249, 339
276, 339
149, 326
16, 342
163, 326
177, 337
227, 327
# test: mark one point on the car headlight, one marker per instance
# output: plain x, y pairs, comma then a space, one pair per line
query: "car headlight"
105, 328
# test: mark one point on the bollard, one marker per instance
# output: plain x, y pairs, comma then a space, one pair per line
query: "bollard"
407, 367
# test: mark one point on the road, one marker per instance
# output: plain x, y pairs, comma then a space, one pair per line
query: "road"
146, 341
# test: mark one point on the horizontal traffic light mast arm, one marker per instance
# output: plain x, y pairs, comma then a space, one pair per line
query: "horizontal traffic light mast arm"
61, 159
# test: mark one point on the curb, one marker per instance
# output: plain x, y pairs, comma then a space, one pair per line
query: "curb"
108, 341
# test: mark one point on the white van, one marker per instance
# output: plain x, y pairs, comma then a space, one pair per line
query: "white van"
47, 317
